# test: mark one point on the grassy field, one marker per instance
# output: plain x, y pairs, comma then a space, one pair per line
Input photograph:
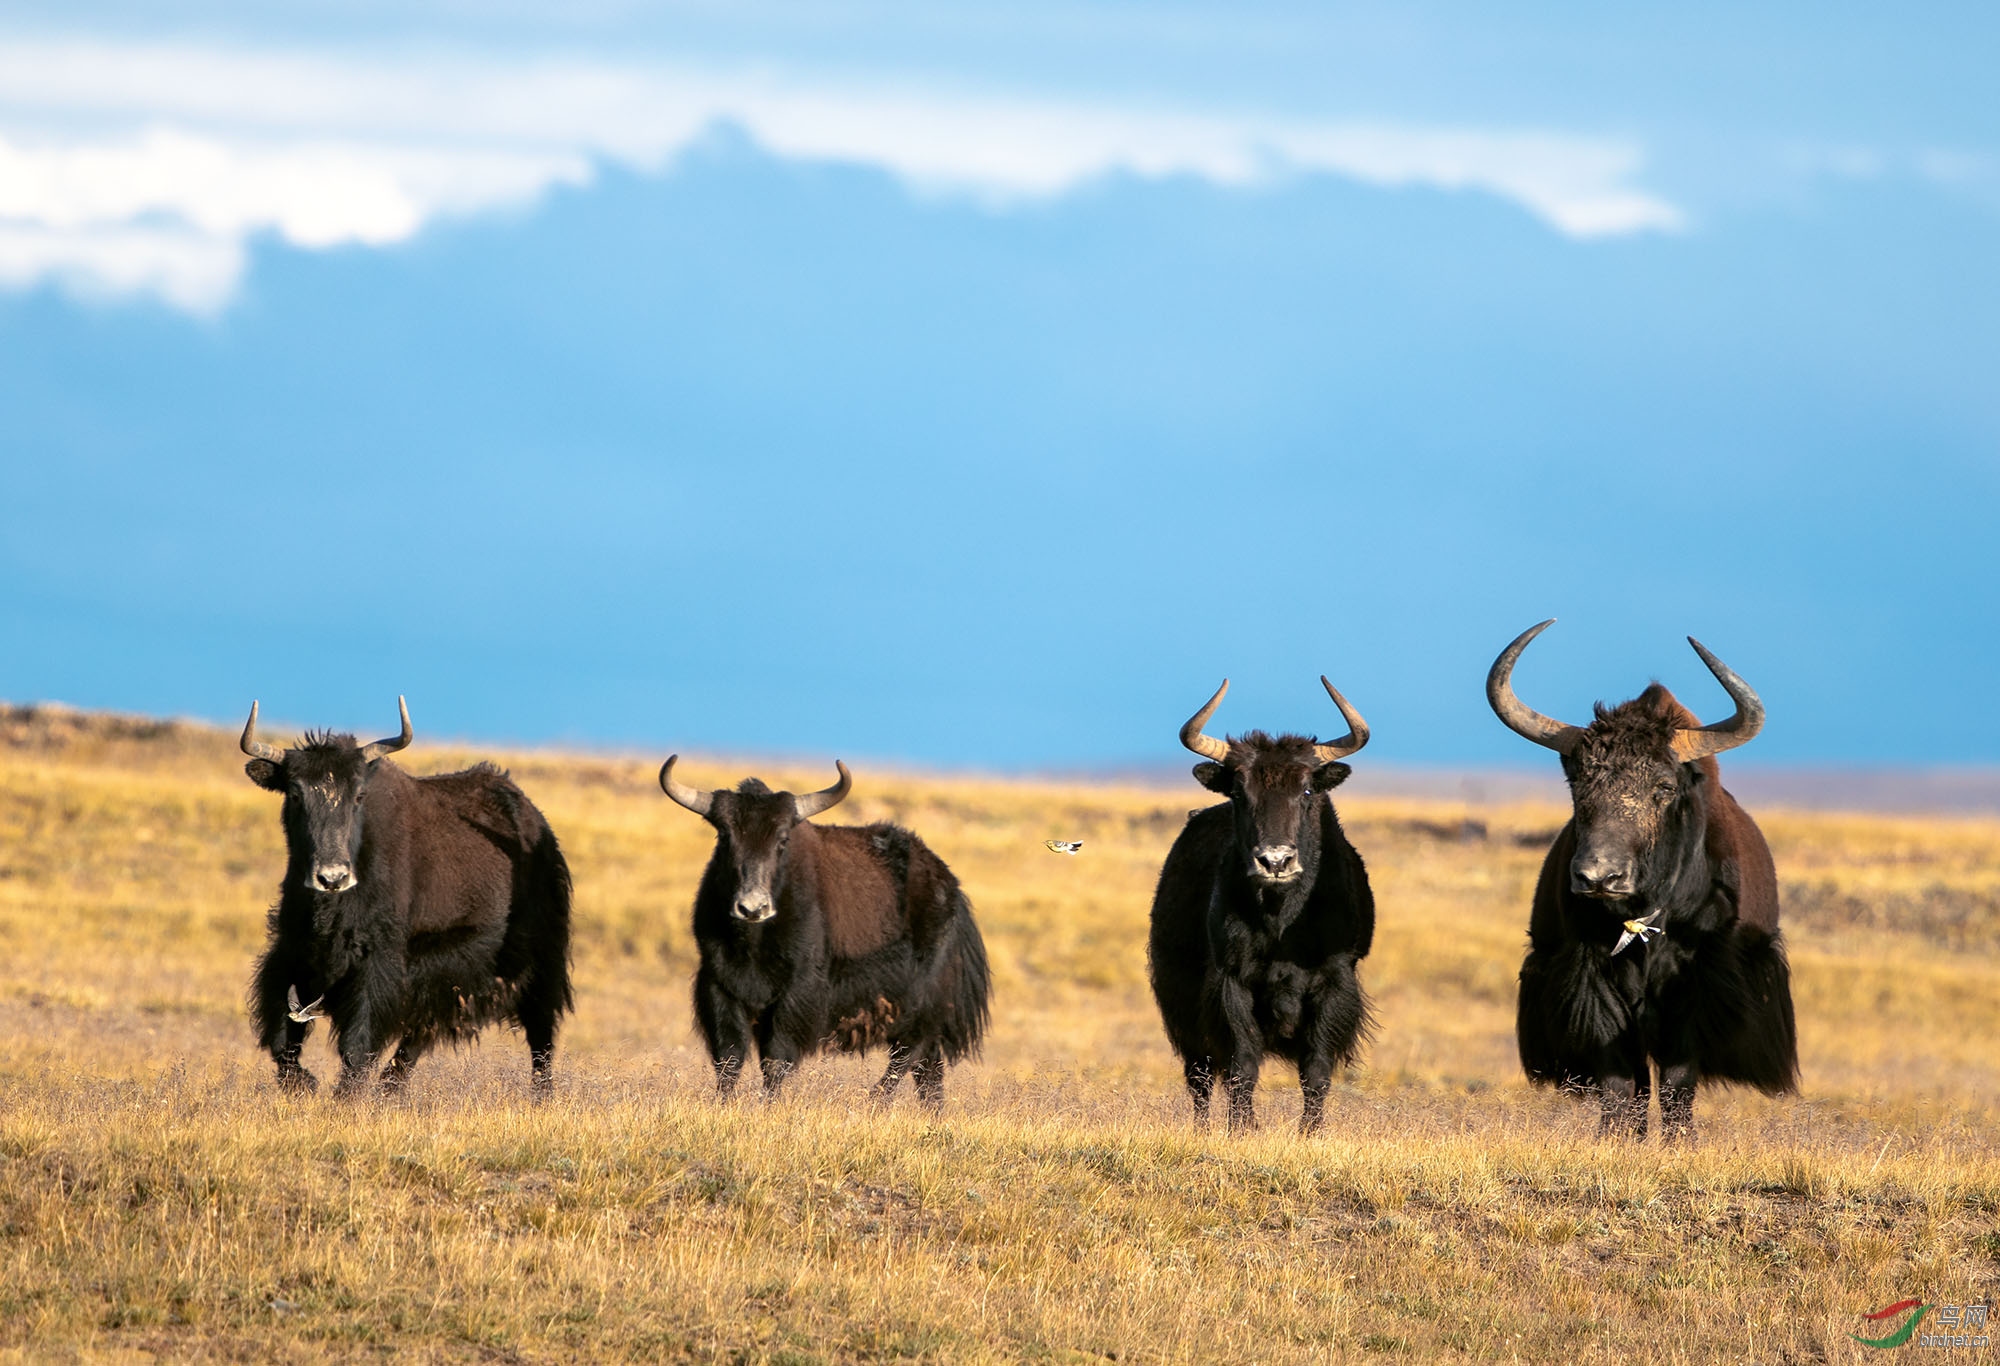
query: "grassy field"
159, 1198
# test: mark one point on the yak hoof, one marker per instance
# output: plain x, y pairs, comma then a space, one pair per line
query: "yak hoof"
297, 1081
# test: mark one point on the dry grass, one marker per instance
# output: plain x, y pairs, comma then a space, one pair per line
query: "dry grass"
158, 1197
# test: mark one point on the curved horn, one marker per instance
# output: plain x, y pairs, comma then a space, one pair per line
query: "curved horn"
1357, 729
372, 752
1522, 719
256, 748
1739, 729
1207, 746
812, 803
693, 798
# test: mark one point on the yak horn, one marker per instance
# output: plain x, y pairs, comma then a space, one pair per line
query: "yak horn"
812, 803
1357, 729
1522, 719
1739, 729
1207, 746
693, 798
256, 748
370, 753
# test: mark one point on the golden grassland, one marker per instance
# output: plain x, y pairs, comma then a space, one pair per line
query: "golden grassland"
160, 1200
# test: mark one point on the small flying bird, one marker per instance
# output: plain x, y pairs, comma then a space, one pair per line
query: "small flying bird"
1063, 846
1639, 930
303, 1014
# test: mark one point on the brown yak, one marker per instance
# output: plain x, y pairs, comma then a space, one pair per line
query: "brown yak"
1654, 937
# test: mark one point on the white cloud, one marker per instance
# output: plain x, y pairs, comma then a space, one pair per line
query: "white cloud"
187, 269
146, 167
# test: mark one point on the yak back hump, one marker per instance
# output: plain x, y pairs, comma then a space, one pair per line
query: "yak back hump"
467, 831
859, 886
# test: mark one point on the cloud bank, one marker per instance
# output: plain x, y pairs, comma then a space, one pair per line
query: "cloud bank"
145, 168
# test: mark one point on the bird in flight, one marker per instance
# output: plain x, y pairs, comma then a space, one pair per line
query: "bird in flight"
1639, 930
303, 1014
1063, 846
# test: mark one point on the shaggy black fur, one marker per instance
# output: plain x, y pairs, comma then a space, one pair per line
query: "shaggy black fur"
458, 914
1710, 998
866, 941
1244, 966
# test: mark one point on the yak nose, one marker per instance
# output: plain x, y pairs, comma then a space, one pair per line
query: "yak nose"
1600, 877
1276, 859
334, 877
754, 906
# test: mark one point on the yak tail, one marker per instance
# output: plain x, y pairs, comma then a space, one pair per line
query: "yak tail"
545, 933
964, 984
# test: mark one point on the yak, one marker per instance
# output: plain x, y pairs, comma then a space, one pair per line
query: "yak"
413, 909
838, 938
1653, 940
1262, 912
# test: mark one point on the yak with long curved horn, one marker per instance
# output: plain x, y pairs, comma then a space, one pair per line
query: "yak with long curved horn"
256, 748
1519, 717
1207, 746
1653, 939
812, 803
1357, 729
695, 799
1740, 729
375, 750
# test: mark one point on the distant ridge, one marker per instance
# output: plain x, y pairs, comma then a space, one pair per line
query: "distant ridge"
1963, 790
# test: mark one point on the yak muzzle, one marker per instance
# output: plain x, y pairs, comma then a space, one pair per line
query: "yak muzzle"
755, 908
333, 877
1602, 878
1275, 862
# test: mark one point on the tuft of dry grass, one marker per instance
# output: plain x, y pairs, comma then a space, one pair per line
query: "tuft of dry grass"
159, 1198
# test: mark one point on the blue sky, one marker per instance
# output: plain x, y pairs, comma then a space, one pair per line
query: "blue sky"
979, 384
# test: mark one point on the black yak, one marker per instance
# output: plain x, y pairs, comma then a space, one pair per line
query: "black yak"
837, 937
413, 909
1654, 937
1262, 912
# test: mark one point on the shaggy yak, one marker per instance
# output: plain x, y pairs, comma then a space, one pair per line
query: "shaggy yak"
413, 909
1262, 912
837, 937
1654, 936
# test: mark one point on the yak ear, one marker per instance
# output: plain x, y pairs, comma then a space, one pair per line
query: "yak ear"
1329, 776
266, 774
1214, 777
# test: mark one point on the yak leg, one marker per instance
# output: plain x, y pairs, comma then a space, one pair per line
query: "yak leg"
397, 1074
929, 1077
1624, 1088
1315, 1080
1246, 1053
778, 1053
785, 1033
288, 1043
1677, 1082
358, 1053
1200, 1076
901, 1055
725, 1026
285, 1038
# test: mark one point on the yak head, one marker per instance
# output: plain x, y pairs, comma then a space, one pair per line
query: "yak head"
324, 780
1275, 785
1636, 773
753, 826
